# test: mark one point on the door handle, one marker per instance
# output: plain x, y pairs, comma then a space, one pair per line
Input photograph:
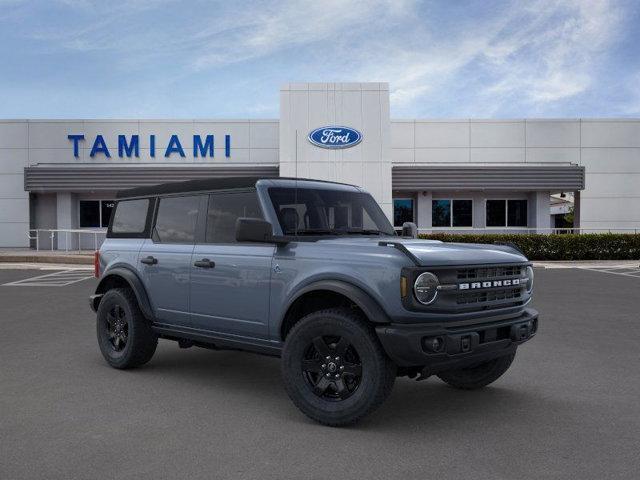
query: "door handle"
149, 260
204, 263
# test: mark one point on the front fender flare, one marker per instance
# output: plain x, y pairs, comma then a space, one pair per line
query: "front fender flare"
370, 307
134, 283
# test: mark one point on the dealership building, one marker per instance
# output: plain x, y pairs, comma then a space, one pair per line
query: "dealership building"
457, 175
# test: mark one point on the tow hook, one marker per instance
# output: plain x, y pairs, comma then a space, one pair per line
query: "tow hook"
522, 331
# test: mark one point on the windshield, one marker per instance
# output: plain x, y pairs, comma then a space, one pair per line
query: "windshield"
310, 211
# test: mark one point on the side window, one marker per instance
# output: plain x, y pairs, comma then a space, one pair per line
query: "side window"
224, 209
176, 219
130, 217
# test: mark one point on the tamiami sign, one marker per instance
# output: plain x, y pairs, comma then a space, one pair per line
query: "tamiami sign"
129, 146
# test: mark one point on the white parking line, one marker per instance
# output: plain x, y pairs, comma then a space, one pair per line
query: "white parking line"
55, 279
624, 271
42, 266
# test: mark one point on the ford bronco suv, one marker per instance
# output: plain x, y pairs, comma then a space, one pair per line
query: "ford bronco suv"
313, 272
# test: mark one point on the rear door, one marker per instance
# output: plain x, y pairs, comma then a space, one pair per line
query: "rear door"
230, 281
165, 259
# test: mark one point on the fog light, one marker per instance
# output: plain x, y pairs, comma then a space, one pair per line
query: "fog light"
434, 344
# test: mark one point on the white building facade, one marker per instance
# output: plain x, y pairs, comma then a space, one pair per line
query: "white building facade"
445, 175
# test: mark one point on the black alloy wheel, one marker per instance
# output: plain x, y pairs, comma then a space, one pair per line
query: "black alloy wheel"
125, 336
118, 327
332, 367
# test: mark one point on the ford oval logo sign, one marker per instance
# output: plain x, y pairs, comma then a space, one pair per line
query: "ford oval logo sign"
335, 137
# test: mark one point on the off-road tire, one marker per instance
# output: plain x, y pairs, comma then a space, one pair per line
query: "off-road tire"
141, 341
377, 376
477, 376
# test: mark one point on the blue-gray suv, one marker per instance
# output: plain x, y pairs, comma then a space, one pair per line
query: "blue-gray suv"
313, 272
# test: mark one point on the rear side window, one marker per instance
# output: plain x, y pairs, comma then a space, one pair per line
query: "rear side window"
176, 219
130, 217
224, 209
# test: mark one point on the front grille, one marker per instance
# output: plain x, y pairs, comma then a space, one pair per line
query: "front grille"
489, 272
467, 298
467, 289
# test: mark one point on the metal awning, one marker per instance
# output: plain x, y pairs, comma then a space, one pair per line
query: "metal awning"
40, 178
555, 178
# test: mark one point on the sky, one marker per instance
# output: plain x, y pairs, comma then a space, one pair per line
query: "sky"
207, 59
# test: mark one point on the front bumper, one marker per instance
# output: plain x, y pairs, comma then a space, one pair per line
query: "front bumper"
459, 345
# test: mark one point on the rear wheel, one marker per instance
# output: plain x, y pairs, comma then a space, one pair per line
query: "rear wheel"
478, 376
124, 335
334, 368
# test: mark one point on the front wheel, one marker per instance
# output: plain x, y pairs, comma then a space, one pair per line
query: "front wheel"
334, 368
477, 376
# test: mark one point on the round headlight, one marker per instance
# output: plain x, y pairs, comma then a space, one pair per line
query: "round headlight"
426, 288
529, 279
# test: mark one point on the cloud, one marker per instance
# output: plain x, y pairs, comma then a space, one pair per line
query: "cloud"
544, 53
286, 25
553, 57
447, 58
630, 104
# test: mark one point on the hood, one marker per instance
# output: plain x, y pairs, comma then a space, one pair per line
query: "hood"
437, 253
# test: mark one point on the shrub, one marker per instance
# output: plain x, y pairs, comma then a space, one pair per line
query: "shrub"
586, 246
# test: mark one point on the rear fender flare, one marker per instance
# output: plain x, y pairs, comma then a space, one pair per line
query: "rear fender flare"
133, 282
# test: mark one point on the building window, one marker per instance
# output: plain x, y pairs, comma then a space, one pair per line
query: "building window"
517, 213
95, 213
507, 213
89, 213
106, 209
402, 211
452, 213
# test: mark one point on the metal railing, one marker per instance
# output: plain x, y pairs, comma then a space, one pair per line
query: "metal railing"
67, 233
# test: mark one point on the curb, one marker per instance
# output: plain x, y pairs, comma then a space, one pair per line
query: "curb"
60, 259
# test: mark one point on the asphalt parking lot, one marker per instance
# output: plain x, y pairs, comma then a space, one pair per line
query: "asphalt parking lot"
568, 408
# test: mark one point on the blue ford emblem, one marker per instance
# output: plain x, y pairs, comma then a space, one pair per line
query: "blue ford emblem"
335, 137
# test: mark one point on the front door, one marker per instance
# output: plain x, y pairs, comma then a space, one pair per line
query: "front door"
165, 259
230, 281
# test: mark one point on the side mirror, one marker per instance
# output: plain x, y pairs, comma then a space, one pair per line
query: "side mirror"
409, 229
253, 230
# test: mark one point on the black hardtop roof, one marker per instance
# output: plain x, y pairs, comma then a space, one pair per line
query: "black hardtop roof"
203, 185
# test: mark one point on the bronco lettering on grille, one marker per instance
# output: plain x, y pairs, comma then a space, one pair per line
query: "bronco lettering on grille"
493, 283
